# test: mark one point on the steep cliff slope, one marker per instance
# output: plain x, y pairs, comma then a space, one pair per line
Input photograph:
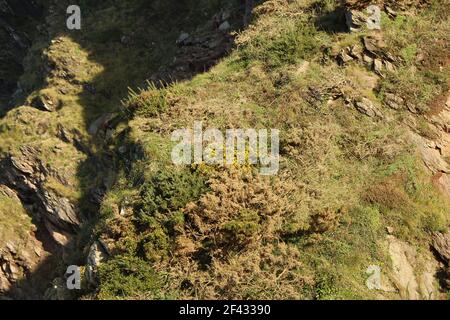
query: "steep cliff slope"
56, 162
18, 22
359, 94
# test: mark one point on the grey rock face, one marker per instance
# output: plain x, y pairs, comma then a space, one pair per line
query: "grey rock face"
393, 101
374, 18
371, 18
27, 174
20, 253
366, 107
441, 243
97, 255
183, 38
225, 26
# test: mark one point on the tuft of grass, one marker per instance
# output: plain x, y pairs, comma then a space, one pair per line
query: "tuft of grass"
295, 40
146, 103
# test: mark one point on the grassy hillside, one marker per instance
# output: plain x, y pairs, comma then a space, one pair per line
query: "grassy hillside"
352, 185
311, 231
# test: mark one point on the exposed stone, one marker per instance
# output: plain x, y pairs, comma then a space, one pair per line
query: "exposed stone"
378, 66
366, 107
183, 37
61, 237
412, 108
43, 103
18, 257
356, 51
441, 243
393, 101
5, 285
367, 59
344, 57
28, 174
64, 134
374, 17
225, 26
373, 44
389, 66
442, 181
101, 123
411, 285
391, 12
371, 18
97, 255
431, 156
73, 137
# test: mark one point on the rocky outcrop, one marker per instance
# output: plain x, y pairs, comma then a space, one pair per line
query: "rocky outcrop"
412, 282
97, 255
372, 52
435, 150
199, 51
441, 245
370, 18
19, 254
368, 108
27, 174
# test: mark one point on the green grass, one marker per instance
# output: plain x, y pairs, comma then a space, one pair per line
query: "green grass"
15, 223
308, 233
348, 176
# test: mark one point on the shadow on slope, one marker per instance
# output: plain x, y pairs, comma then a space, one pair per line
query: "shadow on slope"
121, 44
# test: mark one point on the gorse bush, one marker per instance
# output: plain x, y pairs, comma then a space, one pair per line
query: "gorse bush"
129, 277
242, 228
169, 191
159, 213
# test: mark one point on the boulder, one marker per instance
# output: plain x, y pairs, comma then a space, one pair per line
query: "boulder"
393, 101
184, 36
367, 107
441, 243
378, 66
225, 26
370, 17
374, 45
344, 57
44, 104
97, 255
374, 17
411, 282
